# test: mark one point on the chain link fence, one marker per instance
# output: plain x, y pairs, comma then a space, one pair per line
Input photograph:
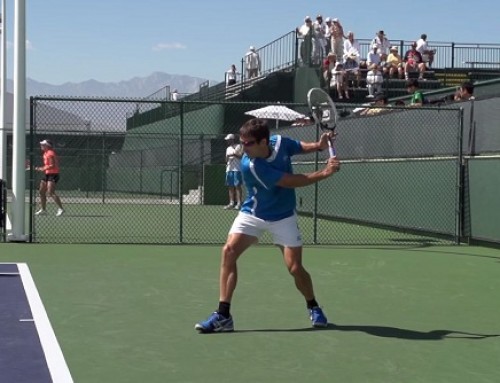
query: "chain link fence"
161, 179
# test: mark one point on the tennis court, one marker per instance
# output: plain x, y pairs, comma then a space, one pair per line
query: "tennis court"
407, 313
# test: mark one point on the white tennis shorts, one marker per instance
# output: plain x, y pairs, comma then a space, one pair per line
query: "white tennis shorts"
285, 232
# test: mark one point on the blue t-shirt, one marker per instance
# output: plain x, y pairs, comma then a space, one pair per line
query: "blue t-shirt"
265, 199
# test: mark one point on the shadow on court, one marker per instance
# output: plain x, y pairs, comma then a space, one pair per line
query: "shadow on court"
387, 332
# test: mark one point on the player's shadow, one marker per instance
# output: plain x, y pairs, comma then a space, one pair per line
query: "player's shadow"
388, 332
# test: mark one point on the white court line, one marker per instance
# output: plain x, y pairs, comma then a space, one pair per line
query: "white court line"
55, 359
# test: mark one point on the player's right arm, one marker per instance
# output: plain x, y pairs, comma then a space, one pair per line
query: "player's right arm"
289, 180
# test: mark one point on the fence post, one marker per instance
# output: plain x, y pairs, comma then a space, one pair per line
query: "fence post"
452, 55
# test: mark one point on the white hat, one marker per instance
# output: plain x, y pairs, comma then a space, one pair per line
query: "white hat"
46, 143
307, 18
252, 48
327, 20
394, 48
335, 20
229, 137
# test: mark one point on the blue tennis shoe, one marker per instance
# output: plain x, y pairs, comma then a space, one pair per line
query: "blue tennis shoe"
215, 323
318, 318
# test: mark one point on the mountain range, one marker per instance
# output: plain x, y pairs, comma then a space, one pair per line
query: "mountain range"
137, 87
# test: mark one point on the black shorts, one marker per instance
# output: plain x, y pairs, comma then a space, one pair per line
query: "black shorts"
52, 177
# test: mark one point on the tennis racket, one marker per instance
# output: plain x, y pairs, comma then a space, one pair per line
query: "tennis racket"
324, 113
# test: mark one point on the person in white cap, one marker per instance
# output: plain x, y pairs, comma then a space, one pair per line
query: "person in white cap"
252, 63
48, 185
234, 179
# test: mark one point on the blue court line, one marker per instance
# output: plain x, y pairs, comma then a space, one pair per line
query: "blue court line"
29, 350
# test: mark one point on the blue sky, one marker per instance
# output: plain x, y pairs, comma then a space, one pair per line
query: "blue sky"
115, 40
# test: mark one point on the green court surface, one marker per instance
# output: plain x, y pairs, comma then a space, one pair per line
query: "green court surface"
125, 313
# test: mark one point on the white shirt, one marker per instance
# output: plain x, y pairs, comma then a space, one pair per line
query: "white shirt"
422, 46
252, 60
383, 44
373, 58
303, 30
374, 77
351, 49
233, 162
231, 75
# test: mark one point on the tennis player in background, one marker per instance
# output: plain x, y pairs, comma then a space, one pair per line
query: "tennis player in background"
270, 205
48, 184
234, 180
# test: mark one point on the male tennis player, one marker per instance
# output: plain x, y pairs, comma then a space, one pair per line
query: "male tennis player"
48, 185
269, 205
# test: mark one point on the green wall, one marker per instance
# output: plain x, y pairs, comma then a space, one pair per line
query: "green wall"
419, 195
484, 198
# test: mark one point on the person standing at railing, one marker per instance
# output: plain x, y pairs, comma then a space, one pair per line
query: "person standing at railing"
306, 34
338, 36
328, 35
425, 51
174, 96
231, 75
252, 63
383, 44
319, 42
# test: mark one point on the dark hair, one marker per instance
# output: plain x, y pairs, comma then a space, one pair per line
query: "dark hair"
412, 82
256, 128
468, 86
423, 36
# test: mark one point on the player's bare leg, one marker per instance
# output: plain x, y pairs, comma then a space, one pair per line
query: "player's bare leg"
43, 194
51, 190
235, 245
221, 320
293, 260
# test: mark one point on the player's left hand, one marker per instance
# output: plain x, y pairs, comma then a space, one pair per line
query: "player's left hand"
325, 137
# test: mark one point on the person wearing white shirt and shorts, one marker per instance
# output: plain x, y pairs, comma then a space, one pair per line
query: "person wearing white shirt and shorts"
233, 172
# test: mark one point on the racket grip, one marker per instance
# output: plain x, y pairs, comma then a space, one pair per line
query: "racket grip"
331, 149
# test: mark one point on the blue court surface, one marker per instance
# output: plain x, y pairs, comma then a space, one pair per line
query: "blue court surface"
29, 351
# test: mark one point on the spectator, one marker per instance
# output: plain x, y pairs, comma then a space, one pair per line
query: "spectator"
234, 180
252, 62
50, 169
328, 66
465, 92
379, 105
413, 62
395, 63
339, 82
352, 58
426, 53
305, 32
382, 43
231, 75
337, 38
373, 56
328, 35
174, 96
374, 80
413, 87
319, 41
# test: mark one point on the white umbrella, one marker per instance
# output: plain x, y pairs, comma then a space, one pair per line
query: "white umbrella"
275, 112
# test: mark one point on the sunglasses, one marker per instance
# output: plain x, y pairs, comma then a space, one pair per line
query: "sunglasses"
248, 143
